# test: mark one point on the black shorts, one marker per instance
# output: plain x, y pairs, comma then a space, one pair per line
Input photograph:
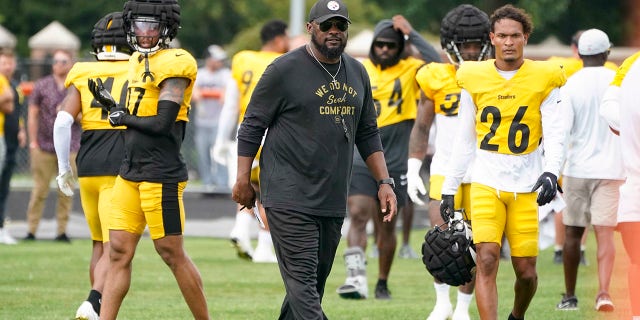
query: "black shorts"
363, 183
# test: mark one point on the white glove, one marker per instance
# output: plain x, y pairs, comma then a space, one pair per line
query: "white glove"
66, 183
220, 151
415, 184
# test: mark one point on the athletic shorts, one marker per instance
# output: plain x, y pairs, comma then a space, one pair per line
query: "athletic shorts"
462, 198
494, 213
156, 205
363, 183
592, 201
95, 196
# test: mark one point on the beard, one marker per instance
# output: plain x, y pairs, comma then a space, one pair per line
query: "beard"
330, 53
385, 62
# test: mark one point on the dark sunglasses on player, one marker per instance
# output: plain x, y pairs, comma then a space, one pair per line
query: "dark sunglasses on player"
342, 25
382, 44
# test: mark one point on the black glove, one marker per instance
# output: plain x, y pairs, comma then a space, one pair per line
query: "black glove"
117, 116
446, 207
548, 184
101, 94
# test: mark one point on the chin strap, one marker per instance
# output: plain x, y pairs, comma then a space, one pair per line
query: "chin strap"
147, 72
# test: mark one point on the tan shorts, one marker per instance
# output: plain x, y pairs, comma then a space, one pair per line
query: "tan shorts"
592, 201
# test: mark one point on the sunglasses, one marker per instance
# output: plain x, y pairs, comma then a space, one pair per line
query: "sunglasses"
382, 44
342, 25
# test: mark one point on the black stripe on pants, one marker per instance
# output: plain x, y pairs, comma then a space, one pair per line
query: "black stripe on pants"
305, 246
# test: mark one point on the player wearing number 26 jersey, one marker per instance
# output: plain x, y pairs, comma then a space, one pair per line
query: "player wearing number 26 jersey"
510, 113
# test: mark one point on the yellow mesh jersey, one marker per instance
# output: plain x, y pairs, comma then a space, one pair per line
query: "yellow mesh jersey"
114, 77
246, 68
571, 65
508, 118
395, 90
437, 81
4, 85
144, 87
624, 68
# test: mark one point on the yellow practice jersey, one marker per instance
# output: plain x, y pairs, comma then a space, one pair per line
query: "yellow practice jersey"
508, 118
395, 90
247, 67
144, 81
624, 68
4, 85
571, 65
438, 83
114, 77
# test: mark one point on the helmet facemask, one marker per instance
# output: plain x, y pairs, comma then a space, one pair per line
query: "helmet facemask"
462, 28
147, 34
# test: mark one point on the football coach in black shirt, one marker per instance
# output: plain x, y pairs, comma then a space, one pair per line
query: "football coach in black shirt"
316, 103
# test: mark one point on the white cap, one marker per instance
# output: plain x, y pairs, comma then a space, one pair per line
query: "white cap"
216, 52
593, 41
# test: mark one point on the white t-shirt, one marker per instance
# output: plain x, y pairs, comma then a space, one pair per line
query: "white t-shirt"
593, 151
629, 205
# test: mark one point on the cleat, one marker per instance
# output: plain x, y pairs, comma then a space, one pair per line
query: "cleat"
406, 252
568, 303
264, 254
241, 241
382, 292
30, 237
354, 288
603, 303
86, 312
441, 311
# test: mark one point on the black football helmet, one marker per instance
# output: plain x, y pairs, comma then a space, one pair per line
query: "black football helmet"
465, 23
166, 13
108, 39
448, 251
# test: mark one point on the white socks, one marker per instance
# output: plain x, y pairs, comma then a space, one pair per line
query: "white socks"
442, 293
464, 300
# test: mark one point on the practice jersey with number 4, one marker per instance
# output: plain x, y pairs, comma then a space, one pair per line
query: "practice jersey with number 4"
102, 146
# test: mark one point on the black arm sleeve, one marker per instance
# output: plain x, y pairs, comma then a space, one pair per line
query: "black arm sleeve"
161, 123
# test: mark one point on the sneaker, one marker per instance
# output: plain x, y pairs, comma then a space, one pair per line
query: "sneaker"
30, 237
406, 252
86, 312
241, 241
603, 302
354, 288
6, 238
382, 292
264, 254
62, 238
441, 311
557, 257
568, 303
583, 259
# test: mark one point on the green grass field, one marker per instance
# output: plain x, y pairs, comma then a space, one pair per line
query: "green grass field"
47, 280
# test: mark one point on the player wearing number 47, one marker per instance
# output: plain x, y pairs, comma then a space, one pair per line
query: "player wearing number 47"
509, 115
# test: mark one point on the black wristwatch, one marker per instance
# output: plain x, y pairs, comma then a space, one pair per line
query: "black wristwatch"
388, 181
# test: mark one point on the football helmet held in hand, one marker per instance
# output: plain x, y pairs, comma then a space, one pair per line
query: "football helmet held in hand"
448, 251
